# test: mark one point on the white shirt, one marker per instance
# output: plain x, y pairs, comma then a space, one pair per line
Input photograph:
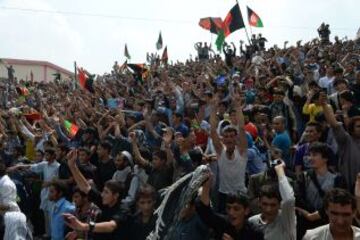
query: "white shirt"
323, 233
8, 193
326, 82
232, 172
49, 172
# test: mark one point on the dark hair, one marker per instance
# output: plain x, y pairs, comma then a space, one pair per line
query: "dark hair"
50, 151
270, 191
339, 196
146, 191
322, 148
78, 190
59, 186
340, 81
85, 150
160, 154
63, 147
2, 169
229, 129
106, 145
179, 115
316, 125
352, 122
347, 95
115, 187
239, 198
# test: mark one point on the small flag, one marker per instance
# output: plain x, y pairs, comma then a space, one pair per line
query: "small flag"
220, 40
254, 19
23, 91
213, 24
159, 43
31, 117
82, 77
86, 80
126, 52
165, 57
71, 128
233, 21
139, 71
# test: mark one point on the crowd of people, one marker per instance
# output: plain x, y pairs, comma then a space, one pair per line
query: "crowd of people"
278, 127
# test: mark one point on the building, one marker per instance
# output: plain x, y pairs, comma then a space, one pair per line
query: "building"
39, 71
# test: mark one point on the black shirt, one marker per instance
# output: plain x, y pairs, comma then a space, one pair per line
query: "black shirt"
221, 225
139, 230
88, 170
115, 213
105, 171
159, 178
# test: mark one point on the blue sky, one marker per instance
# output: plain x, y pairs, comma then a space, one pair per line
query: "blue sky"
95, 42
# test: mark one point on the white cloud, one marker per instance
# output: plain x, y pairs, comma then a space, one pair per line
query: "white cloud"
95, 42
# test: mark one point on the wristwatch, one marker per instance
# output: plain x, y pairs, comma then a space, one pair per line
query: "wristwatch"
91, 226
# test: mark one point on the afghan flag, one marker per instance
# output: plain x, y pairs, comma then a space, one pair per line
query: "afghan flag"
233, 21
213, 24
126, 52
159, 43
140, 72
165, 57
31, 117
85, 80
23, 91
71, 128
220, 40
254, 19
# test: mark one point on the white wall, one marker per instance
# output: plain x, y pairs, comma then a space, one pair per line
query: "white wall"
40, 72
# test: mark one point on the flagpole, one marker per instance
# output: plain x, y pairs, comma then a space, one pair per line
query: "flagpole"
247, 34
75, 77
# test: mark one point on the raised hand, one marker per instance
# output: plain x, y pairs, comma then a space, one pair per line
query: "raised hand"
132, 137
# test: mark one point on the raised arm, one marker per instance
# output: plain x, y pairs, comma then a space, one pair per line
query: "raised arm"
138, 158
78, 177
213, 123
328, 112
242, 143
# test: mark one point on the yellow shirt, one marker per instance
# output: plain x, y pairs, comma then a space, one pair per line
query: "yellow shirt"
312, 110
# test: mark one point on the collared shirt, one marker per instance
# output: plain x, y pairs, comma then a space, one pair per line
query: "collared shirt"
57, 222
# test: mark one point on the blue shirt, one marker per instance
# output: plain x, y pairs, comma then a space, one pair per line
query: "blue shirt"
57, 223
283, 142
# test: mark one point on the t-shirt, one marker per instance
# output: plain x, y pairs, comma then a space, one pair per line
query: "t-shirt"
139, 230
159, 178
323, 233
115, 213
105, 171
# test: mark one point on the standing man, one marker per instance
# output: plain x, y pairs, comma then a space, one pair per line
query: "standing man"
11, 72
57, 192
340, 206
232, 153
273, 222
